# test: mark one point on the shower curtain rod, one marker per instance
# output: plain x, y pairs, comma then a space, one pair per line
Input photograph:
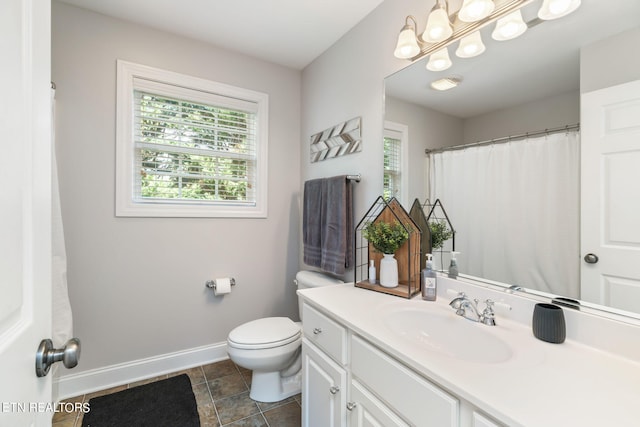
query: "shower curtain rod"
505, 139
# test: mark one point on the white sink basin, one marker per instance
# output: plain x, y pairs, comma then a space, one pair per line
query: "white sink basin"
448, 335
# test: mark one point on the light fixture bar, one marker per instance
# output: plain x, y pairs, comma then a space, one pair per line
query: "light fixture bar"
462, 29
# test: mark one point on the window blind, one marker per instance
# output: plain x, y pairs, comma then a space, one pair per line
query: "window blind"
391, 179
189, 150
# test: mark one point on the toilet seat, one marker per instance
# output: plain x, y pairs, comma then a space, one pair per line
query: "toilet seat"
268, 332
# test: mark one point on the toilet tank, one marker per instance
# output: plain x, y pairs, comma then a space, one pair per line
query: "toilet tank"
312, 279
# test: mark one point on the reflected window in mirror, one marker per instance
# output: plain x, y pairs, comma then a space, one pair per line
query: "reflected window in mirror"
395, 148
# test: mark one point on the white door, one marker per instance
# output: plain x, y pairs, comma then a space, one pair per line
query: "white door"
610, 192
25, 209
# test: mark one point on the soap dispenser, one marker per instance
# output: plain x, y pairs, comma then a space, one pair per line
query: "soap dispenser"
372, 273
429, 280
453, 266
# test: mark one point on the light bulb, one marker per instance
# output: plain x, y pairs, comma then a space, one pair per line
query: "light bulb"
470, 46
439, 60
509, 27
475, 10
438, 26
554, 9
407, 46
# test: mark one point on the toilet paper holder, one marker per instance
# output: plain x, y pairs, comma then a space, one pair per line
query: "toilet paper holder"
212, 283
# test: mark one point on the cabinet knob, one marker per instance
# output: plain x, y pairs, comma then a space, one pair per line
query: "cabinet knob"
351, 405
334, 389
317, 331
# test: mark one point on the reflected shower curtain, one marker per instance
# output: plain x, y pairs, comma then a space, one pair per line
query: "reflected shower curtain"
515, 208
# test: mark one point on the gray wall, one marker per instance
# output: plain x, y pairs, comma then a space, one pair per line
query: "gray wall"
427, 129
552, 112
348, 81
137, 284
610, 62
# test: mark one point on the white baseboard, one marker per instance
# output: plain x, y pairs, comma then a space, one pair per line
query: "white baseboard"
110, 376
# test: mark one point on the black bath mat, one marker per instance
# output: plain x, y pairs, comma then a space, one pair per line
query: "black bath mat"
165, 403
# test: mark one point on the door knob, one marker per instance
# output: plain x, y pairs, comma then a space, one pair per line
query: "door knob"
591, 258
47, 355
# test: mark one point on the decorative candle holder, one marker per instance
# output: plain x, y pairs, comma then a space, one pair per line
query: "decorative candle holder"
548, 323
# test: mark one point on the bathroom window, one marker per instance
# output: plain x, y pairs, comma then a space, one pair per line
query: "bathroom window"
395, 140
188, 147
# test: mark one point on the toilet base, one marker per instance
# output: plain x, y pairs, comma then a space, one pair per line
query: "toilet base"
271, 387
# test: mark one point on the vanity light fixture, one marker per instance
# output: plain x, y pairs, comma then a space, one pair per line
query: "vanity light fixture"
438, 24
465, 25
439, 60
470, 46
509, 27
475, 10
554, 9
445, 83
407, 46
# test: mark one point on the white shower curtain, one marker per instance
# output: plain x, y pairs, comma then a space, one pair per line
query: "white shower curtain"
62, 329
515, 209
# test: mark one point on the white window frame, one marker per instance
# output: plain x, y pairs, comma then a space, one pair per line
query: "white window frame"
133, 76
401, 132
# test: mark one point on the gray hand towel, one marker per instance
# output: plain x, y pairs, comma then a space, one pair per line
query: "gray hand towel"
312, 222
328, 224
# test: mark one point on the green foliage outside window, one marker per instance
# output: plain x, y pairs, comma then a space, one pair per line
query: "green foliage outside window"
193, 151
390, 183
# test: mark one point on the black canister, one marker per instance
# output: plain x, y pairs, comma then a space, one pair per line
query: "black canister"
548, 323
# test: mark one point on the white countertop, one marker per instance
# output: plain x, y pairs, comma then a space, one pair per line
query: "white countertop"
542, 384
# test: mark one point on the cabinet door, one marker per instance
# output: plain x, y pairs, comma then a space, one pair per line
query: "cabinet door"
480, 420
420, 402
324, 389
367, 411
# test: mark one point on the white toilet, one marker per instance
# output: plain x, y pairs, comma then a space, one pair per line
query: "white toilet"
271, 346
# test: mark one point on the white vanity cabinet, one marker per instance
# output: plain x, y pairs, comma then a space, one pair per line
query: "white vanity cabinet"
349, 382
371, 347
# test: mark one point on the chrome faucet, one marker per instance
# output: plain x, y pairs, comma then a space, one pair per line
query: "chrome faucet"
468, 309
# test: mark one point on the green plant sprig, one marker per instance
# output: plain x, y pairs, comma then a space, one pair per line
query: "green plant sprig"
386, 238
439, 233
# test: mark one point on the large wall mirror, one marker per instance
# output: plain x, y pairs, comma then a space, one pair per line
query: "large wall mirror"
524, 86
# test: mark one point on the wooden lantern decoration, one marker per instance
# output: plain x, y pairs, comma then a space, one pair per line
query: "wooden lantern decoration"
407, 256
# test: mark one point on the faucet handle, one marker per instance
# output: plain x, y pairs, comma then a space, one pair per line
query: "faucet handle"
488, 310
488, 316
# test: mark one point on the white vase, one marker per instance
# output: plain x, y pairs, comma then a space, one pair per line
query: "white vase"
388, 271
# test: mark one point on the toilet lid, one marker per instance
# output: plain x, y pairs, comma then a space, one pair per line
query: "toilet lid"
265, 333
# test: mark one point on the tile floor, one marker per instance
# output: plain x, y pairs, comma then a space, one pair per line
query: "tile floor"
222, 393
